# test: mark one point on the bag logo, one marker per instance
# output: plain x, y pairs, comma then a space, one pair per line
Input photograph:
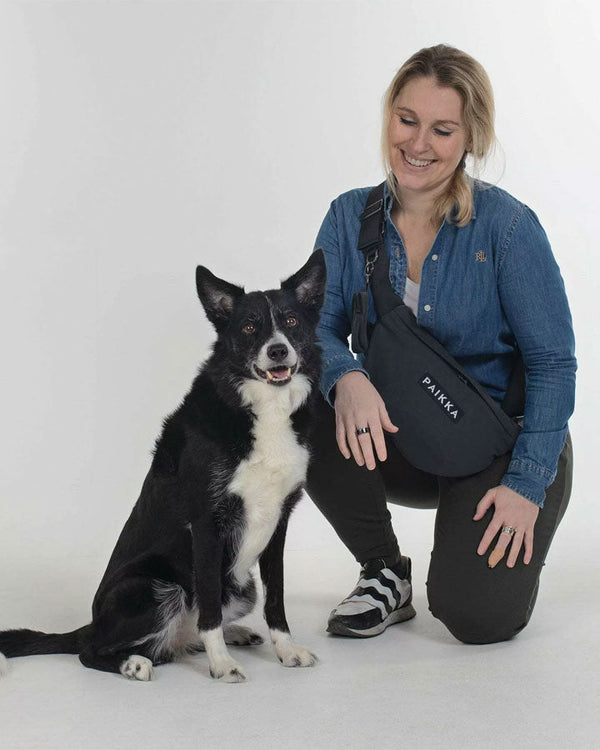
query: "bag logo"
441, 397
480, 256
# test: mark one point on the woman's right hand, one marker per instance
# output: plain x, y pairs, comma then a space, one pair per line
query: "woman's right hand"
358, 404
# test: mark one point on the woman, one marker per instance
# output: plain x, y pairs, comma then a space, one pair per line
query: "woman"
476, 268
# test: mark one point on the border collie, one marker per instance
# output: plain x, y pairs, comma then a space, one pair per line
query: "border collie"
227, 470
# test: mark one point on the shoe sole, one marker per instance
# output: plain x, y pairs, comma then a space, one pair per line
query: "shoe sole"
398, 615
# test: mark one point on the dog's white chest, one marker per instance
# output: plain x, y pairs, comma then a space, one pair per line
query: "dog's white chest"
276, 466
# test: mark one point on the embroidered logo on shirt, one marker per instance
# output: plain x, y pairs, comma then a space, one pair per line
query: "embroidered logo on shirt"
481, 256
441, 397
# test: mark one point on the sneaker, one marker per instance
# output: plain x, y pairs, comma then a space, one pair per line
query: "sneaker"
381, 597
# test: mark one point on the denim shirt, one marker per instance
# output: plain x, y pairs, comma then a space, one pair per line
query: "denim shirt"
486, 288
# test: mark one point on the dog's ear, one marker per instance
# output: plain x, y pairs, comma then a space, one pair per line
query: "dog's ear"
308, 284
218, 297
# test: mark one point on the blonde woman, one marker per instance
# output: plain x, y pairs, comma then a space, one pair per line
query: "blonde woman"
476, 268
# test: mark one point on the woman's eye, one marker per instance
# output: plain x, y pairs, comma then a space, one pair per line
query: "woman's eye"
405, 121
443, 132
249, 328
290, 321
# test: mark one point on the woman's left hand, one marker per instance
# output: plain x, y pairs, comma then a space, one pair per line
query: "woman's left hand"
515, 511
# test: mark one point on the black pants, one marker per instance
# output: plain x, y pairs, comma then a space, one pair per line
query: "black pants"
476, 603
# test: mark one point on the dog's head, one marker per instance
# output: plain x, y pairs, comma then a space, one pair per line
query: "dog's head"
266, 336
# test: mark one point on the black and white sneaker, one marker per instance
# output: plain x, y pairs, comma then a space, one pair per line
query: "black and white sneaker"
381, 597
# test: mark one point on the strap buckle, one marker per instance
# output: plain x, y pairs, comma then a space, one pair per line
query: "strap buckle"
371, 209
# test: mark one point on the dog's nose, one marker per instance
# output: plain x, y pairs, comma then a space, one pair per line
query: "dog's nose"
277, 352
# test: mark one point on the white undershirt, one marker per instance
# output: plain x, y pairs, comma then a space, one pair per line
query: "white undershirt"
411, 295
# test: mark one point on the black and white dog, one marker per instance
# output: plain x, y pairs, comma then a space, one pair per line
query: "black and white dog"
227, 470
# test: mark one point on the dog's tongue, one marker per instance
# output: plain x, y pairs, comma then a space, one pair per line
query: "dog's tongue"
279, 373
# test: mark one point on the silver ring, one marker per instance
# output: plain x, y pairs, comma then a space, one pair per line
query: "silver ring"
508, 530
363, 430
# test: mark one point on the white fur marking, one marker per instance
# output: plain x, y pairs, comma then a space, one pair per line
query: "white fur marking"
137, 668
222, 666
288, 652
235, 609
179, 629
3, 665
276, 466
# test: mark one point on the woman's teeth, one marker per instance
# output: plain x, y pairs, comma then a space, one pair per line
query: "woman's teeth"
417, 162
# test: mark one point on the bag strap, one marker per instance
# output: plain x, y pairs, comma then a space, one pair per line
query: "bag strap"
372, 222
371, 242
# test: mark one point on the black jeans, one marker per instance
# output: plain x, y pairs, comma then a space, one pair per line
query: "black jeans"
477, 604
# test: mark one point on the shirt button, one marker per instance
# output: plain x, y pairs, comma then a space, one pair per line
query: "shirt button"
427, 308
434, 257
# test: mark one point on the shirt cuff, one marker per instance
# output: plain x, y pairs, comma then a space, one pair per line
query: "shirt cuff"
528, 479
336, 368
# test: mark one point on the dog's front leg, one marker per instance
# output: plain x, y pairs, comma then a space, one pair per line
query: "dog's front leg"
271, 571
208, 558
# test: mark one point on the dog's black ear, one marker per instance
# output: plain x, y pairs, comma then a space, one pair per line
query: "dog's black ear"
217, 296
308, 284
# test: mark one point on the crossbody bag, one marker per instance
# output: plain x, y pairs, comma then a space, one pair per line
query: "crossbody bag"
448, 424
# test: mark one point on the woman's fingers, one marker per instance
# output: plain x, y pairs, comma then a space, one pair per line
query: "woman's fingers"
355, 446
491, 531
515, 548
513, 521
386, 422
379, 440
483, 505
358, 406
528, 547
340, 436
361, 446
367, 450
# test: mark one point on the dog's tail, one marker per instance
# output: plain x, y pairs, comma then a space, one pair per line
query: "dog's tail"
30, 642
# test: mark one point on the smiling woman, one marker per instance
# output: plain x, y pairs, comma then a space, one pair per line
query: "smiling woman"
476, 269
427, 139
433, 101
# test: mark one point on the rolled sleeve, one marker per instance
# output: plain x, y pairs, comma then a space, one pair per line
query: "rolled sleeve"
334, 325
533, 297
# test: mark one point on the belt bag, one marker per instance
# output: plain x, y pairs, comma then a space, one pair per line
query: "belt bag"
448, 424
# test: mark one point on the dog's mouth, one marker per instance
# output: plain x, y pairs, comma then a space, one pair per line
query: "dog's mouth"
278, 375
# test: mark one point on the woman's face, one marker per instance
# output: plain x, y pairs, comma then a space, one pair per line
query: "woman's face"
426, 136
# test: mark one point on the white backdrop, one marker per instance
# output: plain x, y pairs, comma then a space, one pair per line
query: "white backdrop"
140, 139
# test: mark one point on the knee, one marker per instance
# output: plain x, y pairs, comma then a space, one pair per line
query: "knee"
474, 622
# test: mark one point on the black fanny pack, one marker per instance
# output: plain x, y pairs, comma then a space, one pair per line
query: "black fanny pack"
448, 424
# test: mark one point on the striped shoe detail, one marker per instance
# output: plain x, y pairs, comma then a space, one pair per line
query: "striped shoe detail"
380, 598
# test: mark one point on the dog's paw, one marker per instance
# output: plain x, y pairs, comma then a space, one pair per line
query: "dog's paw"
239, 635
227, 671
137, 668
292, 655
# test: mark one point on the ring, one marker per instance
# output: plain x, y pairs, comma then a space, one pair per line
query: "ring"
508, 530
363, 430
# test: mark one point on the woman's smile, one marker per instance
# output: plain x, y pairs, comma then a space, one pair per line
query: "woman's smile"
419, 164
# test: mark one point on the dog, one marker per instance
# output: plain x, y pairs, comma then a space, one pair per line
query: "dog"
226, 472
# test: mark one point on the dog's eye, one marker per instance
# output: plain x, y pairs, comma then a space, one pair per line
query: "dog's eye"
290, 321
249, 328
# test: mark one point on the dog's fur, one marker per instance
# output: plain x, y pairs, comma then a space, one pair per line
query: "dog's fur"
227, 470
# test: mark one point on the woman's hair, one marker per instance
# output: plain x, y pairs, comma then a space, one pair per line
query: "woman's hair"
450, 67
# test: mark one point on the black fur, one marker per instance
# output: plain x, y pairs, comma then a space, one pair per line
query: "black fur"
181, 541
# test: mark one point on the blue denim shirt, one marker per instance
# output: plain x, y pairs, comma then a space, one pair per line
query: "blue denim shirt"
486, 288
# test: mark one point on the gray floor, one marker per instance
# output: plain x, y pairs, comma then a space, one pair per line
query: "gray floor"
412, 687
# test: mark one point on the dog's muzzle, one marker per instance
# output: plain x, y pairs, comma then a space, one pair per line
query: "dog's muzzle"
278, 375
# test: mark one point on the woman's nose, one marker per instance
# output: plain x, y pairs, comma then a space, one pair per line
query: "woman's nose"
421, 140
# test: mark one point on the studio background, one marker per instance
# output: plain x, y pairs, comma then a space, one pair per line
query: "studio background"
138, 140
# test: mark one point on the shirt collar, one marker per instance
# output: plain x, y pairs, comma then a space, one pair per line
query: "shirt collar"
388, 200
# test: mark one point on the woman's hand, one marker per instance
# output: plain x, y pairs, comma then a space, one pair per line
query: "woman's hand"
358, 404
515, 511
